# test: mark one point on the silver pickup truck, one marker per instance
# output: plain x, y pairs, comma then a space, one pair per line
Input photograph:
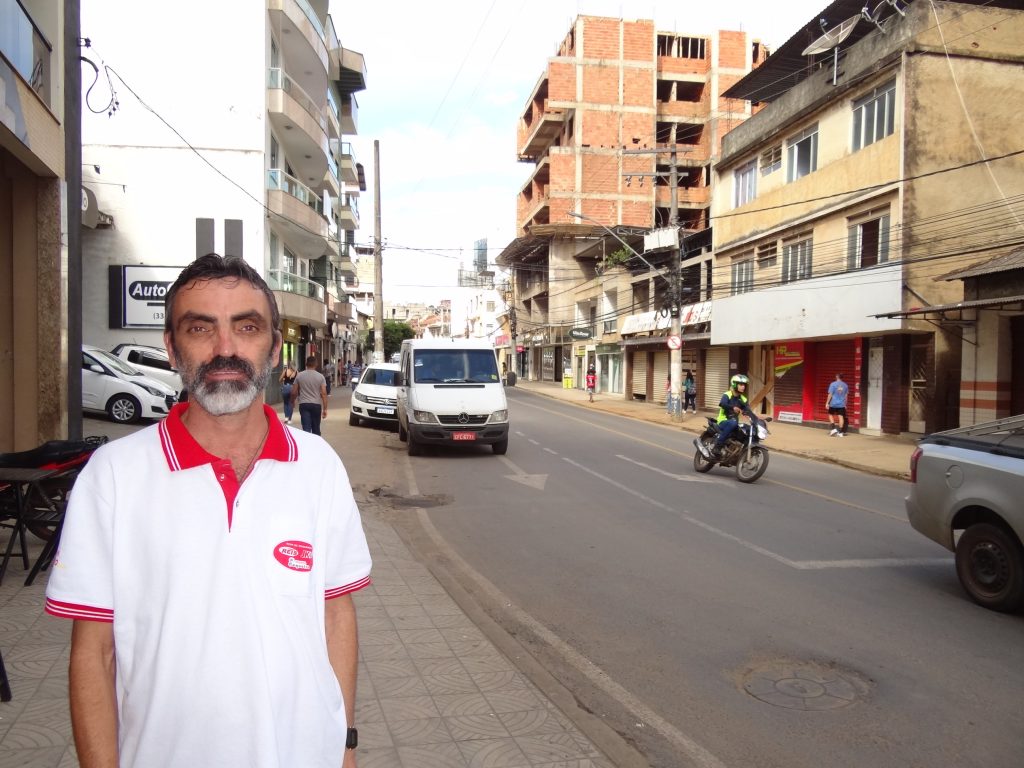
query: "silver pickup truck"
967, 494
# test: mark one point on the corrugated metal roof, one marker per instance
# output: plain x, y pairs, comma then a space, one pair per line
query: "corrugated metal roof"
973, 304
1004, 263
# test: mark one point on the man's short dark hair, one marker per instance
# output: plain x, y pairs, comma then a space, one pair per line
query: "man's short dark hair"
311, 361
212, 266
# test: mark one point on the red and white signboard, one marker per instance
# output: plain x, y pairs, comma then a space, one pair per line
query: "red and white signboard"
674, 342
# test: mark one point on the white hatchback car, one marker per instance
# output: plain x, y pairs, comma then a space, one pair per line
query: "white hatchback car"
112, 386
152, 362
376, 396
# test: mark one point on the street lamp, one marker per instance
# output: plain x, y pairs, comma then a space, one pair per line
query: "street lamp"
675, 354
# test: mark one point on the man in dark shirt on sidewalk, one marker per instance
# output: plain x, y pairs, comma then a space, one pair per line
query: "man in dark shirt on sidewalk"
310, 392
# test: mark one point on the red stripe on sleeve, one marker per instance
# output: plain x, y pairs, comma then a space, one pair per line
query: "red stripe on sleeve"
347, 589
73, 611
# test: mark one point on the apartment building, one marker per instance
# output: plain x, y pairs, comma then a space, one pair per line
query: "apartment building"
617, 113
34, 221
876, 167
236, 149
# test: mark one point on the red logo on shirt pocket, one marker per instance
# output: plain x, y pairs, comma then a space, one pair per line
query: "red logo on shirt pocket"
296, 555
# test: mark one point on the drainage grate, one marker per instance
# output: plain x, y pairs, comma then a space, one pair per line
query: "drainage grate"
806, 686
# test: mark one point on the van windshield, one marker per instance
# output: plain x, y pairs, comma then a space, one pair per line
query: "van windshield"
455, 366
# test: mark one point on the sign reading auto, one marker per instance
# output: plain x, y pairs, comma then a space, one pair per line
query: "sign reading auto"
137, 295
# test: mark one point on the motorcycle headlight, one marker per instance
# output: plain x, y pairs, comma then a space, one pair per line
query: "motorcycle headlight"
424, 417
499, 417
762, 432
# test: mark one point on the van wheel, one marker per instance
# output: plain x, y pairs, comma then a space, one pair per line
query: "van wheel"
402, 434
500, 447
415, 448
124, 409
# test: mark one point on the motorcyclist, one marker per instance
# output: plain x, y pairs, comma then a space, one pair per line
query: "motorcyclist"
730, 407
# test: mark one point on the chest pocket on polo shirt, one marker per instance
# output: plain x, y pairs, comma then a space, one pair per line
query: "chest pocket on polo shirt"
290, 561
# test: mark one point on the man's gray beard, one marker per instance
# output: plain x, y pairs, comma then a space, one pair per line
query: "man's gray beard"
221, 398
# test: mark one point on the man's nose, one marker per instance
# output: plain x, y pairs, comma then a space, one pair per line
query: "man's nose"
226, 343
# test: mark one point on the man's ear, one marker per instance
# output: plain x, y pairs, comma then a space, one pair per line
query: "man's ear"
169, 346
278, 343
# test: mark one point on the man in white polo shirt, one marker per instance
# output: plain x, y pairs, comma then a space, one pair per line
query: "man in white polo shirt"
208, 562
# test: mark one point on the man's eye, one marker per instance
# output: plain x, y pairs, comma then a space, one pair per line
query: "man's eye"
198, 329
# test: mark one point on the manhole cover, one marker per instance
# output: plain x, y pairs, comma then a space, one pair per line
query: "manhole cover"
805, 686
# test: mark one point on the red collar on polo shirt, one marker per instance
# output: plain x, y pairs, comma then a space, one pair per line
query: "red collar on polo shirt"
183, 452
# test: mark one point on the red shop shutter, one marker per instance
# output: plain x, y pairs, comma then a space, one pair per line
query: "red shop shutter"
830, 358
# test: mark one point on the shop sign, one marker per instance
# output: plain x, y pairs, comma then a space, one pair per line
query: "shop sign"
138, 294
580, 334
787, 357
793, 417
291, 332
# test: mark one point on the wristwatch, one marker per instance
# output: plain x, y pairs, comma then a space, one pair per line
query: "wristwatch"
352, 739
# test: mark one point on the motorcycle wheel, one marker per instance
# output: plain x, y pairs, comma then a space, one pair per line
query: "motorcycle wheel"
749, 470
699, 462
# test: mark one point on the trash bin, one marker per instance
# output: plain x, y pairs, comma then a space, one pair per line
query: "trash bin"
567, 382
510, 379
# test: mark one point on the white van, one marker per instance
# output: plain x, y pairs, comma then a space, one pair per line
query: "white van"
449, 392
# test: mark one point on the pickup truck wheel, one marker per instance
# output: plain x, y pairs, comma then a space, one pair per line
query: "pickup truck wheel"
990, 566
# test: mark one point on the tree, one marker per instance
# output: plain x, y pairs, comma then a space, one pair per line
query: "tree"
395, 332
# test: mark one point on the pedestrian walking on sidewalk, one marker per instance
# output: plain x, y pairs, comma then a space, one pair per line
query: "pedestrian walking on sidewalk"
287, 384
310, 394
836, 405
591, 382
208, 562
689, 393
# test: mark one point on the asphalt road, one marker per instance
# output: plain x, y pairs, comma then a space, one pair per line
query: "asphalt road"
795, 622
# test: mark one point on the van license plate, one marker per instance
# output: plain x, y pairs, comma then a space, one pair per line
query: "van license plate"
463, 435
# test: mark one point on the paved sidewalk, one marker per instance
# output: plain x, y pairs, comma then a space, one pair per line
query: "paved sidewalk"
433, 691
888, 456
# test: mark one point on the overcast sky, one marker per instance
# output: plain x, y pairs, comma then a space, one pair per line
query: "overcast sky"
446, 84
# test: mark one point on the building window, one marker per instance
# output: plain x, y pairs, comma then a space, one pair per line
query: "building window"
802, 154
771, 160
742, 275
744, 183
490, 306
874, 116
767, 254
868, 243
796, 260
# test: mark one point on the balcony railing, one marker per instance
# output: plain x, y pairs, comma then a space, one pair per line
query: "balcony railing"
278, 179
313, 19
25, 47
352, 202
332, 165
276, 78
333, 104
279, 280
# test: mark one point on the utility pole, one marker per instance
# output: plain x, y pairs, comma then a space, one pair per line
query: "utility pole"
675, 352
675, 277
378, 264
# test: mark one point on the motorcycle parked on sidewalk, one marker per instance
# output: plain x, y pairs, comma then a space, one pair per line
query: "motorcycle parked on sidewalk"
743, 449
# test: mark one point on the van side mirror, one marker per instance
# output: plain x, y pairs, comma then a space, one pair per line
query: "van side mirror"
96, 368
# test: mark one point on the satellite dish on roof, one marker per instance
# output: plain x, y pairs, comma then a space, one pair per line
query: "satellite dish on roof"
832, 37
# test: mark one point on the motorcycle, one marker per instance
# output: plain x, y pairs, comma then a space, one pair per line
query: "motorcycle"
743, 449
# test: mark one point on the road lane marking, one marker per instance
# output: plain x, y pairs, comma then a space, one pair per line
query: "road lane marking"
799, 565
553, 453
518, 475
660, 447
674, 476
697, 755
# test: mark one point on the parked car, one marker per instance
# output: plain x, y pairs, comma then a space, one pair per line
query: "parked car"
151, 361
449, 393
375, 397
112, 386
966, 490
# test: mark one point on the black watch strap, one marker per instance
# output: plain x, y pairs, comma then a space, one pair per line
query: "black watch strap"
352, 739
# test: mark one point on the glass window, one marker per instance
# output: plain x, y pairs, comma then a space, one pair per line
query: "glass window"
868, 243
742, 276
771, 160
802, 154
874, 116
455, 366
744, 183
796, 261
